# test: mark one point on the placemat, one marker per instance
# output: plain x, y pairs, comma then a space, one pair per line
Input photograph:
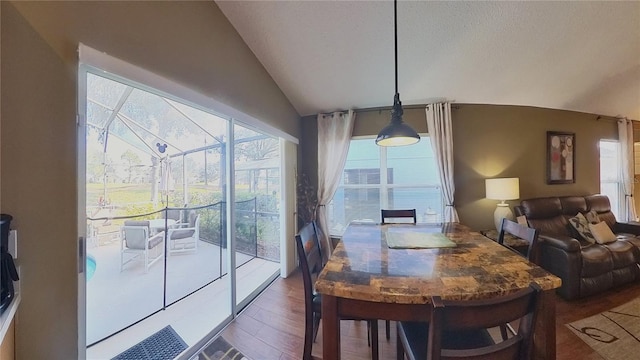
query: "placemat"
417, 240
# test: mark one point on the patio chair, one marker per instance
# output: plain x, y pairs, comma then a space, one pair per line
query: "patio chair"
185, 237
136, 240
179, 215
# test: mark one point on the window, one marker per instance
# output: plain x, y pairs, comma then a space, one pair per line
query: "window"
610, 174
377, 177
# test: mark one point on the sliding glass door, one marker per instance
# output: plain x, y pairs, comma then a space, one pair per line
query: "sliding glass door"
162, 178
257, 196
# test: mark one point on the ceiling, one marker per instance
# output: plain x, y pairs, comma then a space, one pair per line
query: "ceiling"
335, 55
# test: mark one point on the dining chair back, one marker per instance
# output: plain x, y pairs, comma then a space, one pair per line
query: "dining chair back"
524, 233
397, 214
458, 329
530, 235
310, 259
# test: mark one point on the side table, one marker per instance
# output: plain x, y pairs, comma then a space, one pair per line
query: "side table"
510, 241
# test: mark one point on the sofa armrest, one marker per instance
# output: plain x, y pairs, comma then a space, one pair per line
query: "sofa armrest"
627, 227
561, 242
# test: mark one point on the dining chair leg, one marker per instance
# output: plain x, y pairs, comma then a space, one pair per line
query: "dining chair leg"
399, 347
369, 333
388, 328
316, 325
503, 332
374, 340
308, 337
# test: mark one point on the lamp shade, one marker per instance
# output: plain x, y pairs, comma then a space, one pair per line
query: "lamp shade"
502, 188
397, 134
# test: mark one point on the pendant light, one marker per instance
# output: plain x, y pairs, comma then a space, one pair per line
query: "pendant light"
397, 133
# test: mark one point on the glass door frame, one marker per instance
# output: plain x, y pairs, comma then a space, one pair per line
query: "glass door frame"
93, 61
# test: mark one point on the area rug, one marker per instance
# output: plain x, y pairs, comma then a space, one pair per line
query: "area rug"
614, 334
166, 344
220, 349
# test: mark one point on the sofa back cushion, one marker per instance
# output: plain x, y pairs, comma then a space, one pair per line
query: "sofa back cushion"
572, 205
601, 205
546, 215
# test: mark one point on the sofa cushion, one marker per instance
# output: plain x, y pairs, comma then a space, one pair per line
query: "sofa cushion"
602, 233
623, 254
571, 205
601, 205
581, 225
541, 208
596, 260
553, 226
592, 217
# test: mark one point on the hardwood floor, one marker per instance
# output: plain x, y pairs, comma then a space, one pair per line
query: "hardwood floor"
272, 327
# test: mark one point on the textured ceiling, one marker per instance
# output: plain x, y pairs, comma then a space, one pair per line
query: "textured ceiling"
332, 55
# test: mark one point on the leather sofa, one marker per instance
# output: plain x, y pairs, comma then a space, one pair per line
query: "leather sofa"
584, 268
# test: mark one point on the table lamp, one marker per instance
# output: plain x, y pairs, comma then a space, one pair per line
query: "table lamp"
502, 189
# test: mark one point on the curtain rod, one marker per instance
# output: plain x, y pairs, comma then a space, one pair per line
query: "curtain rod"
609, 118
384, 108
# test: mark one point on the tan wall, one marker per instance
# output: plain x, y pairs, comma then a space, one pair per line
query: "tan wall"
39, 187
500, 141
510, 141
189, 42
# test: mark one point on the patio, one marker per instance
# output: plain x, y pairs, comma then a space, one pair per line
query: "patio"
197, 298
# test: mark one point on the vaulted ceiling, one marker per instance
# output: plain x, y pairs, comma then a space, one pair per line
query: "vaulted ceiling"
332, 55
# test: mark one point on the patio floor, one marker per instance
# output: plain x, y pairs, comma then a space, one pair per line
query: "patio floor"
117, 299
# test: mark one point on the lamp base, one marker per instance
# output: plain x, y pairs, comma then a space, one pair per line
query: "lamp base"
502, 211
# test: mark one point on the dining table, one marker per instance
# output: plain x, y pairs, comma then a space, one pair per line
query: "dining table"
158, 225
366, 278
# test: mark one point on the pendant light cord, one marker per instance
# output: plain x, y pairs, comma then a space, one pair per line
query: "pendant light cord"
395, 34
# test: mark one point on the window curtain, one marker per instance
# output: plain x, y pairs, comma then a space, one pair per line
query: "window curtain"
334, 135
625, 135
441, 135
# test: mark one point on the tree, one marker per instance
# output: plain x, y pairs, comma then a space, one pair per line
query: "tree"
133, 161
262, 147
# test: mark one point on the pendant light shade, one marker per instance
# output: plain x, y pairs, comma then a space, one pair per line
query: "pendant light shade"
397, 133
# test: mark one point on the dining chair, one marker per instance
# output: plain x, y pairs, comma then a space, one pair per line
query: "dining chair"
308, 247
527, 234
530, 235
395, 214
458, 329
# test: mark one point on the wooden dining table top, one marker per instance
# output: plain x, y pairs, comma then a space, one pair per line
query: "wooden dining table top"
363, 267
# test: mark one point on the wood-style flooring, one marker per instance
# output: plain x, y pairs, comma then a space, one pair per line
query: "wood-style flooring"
272, 327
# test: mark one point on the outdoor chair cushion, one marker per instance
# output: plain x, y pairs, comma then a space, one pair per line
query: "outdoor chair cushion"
182, 234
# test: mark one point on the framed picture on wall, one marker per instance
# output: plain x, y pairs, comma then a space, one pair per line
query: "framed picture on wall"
561, 157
